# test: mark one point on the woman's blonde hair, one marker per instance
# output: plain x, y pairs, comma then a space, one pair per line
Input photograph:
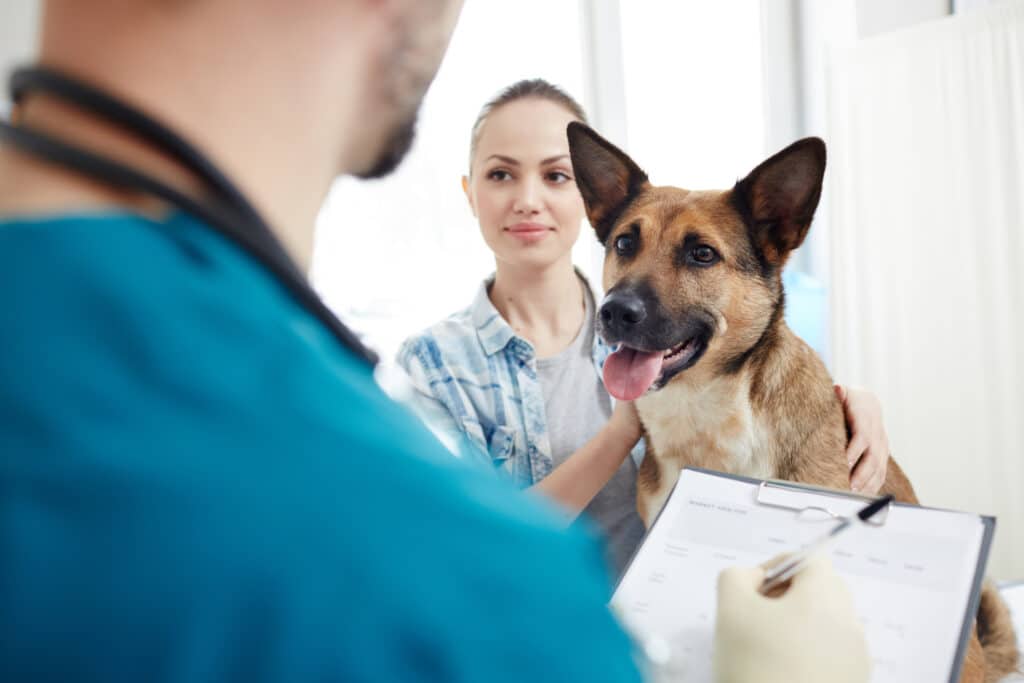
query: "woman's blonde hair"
536, 88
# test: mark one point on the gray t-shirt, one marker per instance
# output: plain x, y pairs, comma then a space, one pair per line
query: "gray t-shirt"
573, 418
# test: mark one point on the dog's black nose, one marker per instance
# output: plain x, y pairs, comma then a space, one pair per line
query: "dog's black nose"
622, 311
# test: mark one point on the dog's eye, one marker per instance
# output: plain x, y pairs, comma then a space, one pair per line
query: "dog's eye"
625, 245
704, 255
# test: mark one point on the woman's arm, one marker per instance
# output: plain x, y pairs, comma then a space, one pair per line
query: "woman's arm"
867, 452
576, 481
415, 390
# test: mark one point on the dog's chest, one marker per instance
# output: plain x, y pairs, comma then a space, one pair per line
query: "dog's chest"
715, 428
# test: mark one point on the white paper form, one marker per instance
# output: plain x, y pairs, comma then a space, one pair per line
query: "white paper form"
911, 578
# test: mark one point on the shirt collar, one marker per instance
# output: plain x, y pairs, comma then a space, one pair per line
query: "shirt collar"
495, 333
492, 330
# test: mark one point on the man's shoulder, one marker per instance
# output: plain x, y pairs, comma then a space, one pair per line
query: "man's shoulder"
97, 261
95, 237
71, 244
176, 332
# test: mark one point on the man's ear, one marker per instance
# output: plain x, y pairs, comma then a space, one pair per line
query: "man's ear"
469, 195
778, 198
608, 179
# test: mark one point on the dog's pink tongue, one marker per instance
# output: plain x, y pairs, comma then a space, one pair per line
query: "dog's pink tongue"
628, 373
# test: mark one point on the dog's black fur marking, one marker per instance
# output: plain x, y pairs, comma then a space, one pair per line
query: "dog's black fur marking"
605, 226
585, 141
760, 265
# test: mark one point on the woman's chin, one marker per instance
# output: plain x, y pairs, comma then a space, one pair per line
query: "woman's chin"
543, 254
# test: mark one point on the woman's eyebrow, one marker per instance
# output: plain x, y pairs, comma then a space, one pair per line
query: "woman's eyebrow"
515, 162
504, 159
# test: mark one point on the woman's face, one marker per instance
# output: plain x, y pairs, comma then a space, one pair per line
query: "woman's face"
521, 188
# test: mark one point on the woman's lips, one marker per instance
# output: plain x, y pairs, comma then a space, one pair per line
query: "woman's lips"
528, 232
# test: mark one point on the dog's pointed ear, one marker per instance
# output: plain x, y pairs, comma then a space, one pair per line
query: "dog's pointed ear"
778, 198
607, 178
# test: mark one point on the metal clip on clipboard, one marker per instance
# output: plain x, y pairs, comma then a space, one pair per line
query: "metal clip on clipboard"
788, 495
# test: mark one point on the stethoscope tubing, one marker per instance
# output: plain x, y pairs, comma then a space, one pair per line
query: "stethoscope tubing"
229, 212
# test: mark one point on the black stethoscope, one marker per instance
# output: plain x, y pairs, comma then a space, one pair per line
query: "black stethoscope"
229, 212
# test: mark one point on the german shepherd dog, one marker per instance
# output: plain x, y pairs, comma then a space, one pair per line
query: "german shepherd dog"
694, 303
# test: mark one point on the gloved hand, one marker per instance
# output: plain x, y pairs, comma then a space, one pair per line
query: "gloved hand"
810, 634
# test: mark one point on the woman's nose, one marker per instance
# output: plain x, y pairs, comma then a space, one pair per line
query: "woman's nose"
528, 198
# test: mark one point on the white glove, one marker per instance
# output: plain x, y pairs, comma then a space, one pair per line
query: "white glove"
808, 635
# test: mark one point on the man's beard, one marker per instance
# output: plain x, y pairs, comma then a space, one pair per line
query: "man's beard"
395, 148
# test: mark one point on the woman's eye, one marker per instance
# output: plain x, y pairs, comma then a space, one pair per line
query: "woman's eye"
499, 174
558, 177
625, 245
704, 255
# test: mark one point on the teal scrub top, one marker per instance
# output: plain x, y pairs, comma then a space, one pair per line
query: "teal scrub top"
198, 483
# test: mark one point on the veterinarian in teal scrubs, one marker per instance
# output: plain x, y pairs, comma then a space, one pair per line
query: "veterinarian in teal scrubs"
517, 374
199, 478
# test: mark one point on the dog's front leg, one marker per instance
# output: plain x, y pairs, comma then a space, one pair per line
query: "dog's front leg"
654, 483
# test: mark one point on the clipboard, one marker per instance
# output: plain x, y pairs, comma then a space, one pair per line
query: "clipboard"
777, 501
787, 496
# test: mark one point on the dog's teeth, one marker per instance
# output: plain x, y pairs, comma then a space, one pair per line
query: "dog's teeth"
682, 348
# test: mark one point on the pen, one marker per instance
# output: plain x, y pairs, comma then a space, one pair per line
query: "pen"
787, 569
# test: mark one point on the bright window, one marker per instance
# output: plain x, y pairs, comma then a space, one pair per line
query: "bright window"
694, 106
395, 255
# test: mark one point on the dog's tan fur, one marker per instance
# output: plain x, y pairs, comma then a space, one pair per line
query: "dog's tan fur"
759, 402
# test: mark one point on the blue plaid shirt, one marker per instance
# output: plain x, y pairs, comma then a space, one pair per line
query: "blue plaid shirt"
476, 381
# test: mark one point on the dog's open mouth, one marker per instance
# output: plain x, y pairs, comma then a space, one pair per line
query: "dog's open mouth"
629, 373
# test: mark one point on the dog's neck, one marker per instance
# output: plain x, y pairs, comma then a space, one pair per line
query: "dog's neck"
720, 421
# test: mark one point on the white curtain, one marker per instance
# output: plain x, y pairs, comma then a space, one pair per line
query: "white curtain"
926, 175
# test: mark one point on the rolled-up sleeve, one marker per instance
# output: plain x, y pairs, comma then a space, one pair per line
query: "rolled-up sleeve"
426, 383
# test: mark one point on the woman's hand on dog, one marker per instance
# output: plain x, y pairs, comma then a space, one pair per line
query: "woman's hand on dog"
626, 421
867, 452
